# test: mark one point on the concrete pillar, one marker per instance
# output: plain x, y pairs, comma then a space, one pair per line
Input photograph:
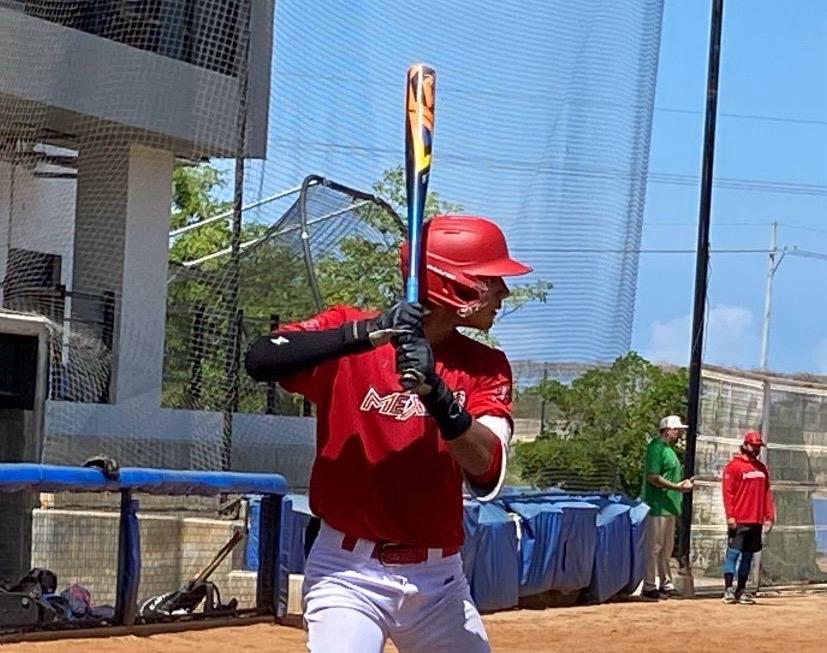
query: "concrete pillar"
124, 194
140, 347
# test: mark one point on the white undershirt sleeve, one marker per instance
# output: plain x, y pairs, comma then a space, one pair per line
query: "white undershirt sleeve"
500, 427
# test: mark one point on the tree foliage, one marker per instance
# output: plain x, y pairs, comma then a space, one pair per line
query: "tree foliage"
602, 421
273, 278
199, 324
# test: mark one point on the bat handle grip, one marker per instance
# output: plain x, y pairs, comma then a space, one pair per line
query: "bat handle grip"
412, 290
410, 379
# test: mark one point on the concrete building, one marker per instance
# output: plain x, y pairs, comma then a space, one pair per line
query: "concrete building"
98, 101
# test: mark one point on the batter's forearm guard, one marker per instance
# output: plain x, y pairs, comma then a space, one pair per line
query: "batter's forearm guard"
284, 353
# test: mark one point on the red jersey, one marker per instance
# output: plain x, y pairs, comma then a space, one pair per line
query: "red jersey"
746, 489
382, 471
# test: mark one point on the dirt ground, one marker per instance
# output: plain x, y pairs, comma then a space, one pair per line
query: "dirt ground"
777, 625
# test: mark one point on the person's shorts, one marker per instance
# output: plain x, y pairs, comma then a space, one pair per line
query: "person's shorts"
745, 537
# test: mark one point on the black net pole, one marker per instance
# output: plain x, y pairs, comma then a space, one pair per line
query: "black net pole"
233, 331
701, 271
272, 389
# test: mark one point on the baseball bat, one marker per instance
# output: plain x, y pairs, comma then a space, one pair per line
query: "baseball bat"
419, 134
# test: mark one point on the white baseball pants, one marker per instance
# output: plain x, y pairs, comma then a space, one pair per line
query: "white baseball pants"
353, 603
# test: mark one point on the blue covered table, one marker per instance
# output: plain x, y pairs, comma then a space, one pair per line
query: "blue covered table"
271, 583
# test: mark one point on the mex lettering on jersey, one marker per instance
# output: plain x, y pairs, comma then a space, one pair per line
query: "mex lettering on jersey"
402, 406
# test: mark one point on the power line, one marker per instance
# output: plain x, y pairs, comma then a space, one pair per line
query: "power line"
599, 250
750, 116
802, 228
658, 223
787, 225
792, 250
742, 183
505, 164
546, 97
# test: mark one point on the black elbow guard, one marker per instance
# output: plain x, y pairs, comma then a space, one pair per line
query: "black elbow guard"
284, 353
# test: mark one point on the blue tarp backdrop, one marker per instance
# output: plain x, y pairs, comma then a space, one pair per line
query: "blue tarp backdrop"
563, 543
613, 553
578, 540
524, 543
495, 581
820, 523
540, 526
638, 513
295, 517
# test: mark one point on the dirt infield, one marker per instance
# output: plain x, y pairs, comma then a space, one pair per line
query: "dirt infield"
778, 625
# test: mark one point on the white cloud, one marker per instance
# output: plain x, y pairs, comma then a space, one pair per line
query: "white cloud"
731, 338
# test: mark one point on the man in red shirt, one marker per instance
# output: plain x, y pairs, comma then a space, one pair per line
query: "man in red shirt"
749, 508
407, 409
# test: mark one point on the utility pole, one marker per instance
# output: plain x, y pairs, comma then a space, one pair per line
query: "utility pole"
772, 266
773, 262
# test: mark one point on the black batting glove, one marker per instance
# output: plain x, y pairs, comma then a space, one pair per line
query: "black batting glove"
415, 362
397, 320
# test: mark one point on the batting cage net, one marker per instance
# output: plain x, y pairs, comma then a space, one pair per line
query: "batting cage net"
104, 106
179, 177
311, 256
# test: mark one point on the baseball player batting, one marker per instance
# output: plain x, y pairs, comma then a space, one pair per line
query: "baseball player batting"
390, 459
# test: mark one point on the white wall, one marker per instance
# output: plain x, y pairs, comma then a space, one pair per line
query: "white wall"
36, 214
139, 435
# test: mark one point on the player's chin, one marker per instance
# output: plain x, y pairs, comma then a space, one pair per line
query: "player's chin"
482, 321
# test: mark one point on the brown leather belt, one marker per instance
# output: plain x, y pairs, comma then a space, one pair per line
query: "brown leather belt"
389, 553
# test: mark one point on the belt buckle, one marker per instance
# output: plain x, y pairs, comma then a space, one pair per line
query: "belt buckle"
390, 547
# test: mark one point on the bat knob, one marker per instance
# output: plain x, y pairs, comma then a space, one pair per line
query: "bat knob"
413, 380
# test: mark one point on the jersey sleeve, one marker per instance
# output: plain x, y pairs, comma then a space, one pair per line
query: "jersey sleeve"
491, 392
729, 486
316, 381
488, 485
489, 403
769, 503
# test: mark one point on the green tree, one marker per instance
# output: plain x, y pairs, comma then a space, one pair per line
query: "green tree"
192, 292
601, 423
272, 280
194, 190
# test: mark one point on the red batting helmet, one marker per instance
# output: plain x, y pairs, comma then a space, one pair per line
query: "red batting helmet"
754, 438
457, 251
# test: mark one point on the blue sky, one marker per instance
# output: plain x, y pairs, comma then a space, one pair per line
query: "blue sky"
337, 83
772, 126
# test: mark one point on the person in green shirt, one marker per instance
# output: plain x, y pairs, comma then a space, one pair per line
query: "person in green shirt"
662, 490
